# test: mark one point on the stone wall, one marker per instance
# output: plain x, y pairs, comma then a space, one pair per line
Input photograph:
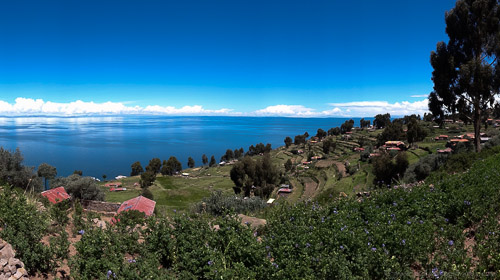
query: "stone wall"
10, 267
100, 206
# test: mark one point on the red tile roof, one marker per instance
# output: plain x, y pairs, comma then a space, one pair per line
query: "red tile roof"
56, 195
113, 184
140, 203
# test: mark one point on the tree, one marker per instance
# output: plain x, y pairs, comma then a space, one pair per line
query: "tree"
14, 173
204, 159
415, 132
190, 162
171, 167
46, 171
154, 165
364, 123
386, 169
466, 70
329, 146
147, 178
320, 134
243, 174
237, 154
346, 126
300, 139
288, 141
334, 131
229, 155
136, 169
392, 132
261, 174
382, 121
84, 188
78, 172
212, 161
288, 165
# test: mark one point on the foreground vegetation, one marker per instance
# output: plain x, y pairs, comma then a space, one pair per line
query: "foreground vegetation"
447, 227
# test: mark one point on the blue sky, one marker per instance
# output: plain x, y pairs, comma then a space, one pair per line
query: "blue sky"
293, 58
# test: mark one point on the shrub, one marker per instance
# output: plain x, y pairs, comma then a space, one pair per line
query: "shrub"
147, 193
219, 204
23, 226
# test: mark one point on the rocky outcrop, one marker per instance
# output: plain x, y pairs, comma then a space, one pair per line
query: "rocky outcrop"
10, 267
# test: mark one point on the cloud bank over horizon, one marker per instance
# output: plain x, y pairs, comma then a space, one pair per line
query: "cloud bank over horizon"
38, 107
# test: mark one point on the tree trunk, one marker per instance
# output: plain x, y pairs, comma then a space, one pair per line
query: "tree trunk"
477, 129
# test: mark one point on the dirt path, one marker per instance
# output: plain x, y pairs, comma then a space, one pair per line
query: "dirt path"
310, 188
341, 168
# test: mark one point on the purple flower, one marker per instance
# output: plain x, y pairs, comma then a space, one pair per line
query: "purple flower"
296, 245
394, 204
131, 261
308, 245
374, 249
446, 220
175, 211
408, 222
403, 241
435, 272
109, 273
467, 202
341, 247
421, 222
450, 242
81, 232
275, 265
210, 262
322, 219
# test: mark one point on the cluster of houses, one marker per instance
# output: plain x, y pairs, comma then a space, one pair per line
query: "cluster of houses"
140, 203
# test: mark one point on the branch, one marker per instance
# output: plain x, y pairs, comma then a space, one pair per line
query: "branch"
494, 60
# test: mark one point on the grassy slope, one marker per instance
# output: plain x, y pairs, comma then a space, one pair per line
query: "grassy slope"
179, 193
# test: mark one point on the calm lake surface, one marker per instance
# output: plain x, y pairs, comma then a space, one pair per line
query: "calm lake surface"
109, 145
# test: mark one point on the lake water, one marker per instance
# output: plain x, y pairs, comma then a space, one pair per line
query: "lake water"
109, 145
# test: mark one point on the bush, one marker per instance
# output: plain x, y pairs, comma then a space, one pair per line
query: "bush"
423, 168
23, 226
84, 188
219, 204
147, 193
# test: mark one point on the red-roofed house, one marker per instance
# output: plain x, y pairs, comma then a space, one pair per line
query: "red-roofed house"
113, 185
140, 203
56, 195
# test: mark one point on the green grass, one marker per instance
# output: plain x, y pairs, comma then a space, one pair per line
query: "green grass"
180, 193
120, 196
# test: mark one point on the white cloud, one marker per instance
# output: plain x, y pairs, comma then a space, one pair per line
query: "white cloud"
420, 96
285, 110
371, 108
348, 109
28, 106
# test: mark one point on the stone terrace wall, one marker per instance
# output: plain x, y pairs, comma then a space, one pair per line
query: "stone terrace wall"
10, 267
100, 206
